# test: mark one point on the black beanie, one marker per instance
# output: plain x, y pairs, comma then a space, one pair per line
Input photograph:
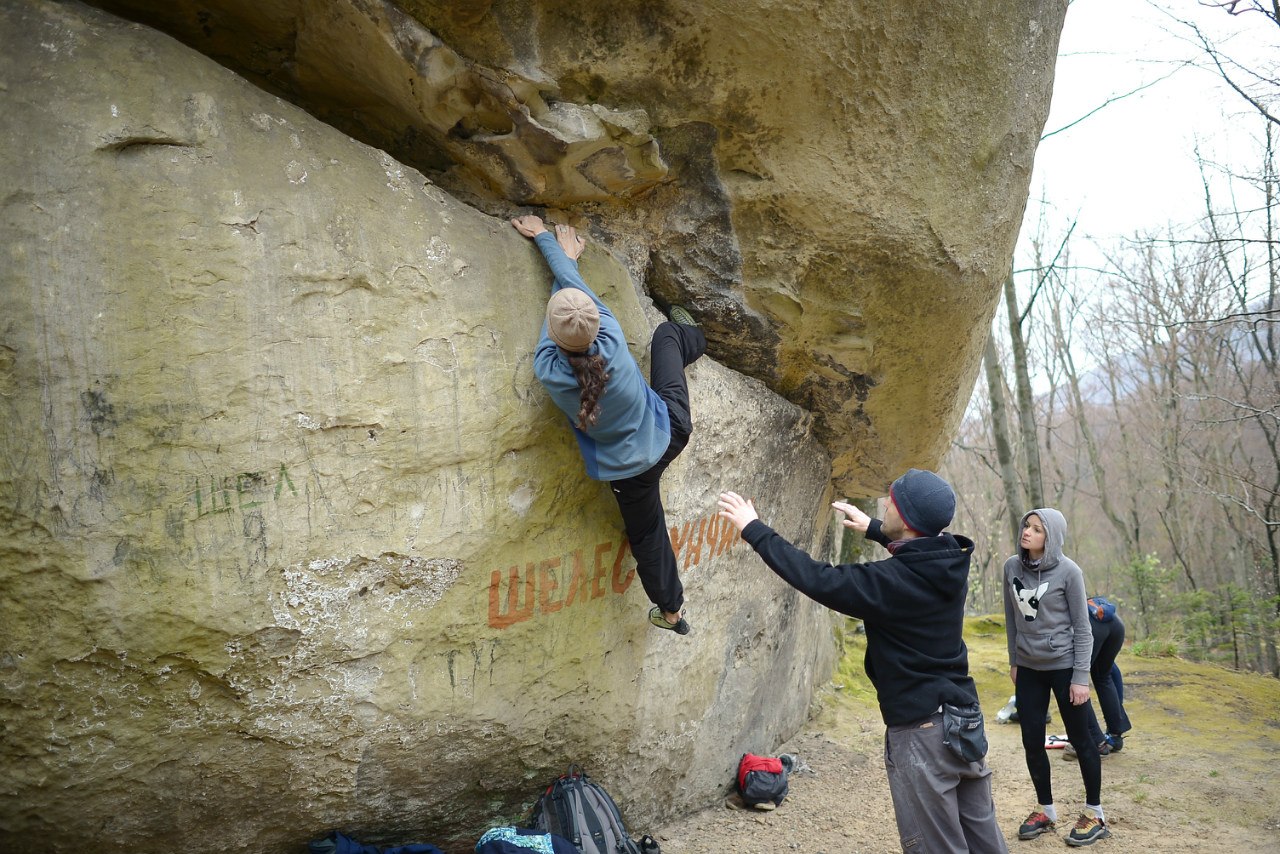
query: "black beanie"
925, 501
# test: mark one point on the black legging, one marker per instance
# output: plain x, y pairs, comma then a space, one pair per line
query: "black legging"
1032, 689
1108, 639
673, 349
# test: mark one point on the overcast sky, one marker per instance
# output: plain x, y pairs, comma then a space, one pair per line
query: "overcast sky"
1131, 166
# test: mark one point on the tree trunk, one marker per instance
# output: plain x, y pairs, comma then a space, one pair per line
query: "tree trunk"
1000, 432
1081, 416
1026, 403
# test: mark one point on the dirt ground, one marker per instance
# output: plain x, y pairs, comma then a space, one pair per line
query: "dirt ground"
1199, 773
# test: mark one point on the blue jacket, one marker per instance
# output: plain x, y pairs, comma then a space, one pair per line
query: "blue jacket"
634, 428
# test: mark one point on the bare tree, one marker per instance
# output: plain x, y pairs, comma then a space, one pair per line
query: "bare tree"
1026, 402
1157, 423
1256, 87
1253, 315
1000, 433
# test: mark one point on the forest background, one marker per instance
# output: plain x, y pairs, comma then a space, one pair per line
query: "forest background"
1132, 379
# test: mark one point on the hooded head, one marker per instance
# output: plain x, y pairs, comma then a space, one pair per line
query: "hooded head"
1055, 535
925, 501
572, 320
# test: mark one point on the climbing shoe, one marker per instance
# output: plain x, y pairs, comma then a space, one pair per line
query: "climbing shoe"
1088, 830
681, 315
1036, 824
680, 626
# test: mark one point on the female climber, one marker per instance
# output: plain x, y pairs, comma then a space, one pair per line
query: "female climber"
628, 430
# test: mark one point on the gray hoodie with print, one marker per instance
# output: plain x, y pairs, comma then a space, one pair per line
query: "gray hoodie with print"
1046, 619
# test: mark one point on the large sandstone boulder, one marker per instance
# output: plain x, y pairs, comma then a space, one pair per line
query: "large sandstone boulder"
290, 538
835, 187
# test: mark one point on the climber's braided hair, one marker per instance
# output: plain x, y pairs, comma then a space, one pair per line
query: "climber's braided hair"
589, 371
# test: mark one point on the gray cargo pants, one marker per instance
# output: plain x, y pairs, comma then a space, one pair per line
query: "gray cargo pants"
942, 803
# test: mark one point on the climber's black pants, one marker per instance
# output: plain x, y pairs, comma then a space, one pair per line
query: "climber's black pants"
674, 348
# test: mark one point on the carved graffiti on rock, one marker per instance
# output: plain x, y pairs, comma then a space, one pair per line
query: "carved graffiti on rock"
240, 492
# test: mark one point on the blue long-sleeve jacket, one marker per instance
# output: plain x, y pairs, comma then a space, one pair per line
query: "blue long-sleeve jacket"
633, 428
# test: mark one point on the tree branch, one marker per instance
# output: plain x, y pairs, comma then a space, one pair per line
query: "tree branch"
1222, 72
1114, 98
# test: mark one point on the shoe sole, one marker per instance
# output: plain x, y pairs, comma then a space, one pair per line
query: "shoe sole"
681, 315
1080, 843
1033, 835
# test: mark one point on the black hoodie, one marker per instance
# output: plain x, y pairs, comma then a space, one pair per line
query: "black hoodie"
912, 604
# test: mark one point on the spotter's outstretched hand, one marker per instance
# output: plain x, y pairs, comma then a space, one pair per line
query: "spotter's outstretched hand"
738, 510
855, 518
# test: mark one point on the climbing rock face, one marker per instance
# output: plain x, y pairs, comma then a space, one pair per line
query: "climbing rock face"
836, 187
290, 537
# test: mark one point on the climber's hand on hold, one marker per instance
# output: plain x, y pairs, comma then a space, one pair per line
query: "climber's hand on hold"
570, 242
529, 225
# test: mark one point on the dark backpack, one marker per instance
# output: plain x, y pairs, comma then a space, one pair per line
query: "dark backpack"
761, 779
582, 812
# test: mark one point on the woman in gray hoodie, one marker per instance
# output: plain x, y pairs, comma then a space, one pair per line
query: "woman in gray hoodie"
1050, 641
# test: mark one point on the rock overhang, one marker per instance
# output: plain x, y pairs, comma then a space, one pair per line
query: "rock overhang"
835, 189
